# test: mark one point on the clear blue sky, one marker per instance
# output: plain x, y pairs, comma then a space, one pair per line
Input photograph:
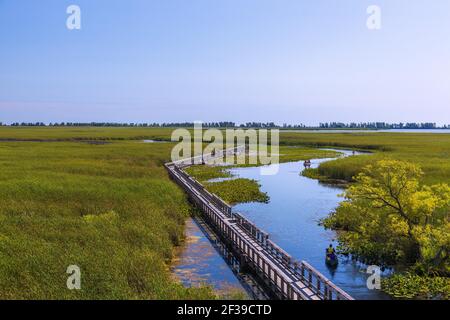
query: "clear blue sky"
290, 61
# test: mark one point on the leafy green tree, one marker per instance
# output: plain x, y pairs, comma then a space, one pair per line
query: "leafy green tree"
388, 217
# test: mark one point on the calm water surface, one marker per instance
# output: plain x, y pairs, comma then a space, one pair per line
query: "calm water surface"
291, 217
198, 262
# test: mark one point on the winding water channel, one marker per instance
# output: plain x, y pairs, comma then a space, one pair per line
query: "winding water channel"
291, 218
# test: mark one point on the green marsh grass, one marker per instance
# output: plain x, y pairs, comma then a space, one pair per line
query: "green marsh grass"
238, 191
430, 151
110, 209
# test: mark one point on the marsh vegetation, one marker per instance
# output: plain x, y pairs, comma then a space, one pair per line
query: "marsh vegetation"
110, 209
68, 197
389, 218
234, 191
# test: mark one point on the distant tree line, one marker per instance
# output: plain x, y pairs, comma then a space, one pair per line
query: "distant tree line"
118, 124
381, 125
229, 124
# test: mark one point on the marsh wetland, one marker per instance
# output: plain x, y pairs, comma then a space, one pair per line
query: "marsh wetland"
112, 209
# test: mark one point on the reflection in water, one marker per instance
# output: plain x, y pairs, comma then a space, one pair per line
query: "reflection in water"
199, 262
291, 217
204, 259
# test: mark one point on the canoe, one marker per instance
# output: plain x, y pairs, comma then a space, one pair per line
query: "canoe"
331, 262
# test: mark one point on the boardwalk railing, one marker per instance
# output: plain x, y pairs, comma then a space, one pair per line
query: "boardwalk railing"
286, 277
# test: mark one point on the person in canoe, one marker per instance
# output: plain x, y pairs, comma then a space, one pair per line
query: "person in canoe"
331, 257
307, 163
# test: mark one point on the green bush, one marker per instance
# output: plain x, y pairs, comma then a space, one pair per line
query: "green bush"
412, 286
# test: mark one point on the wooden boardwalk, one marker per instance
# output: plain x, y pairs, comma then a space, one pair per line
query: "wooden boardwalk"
285, 277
